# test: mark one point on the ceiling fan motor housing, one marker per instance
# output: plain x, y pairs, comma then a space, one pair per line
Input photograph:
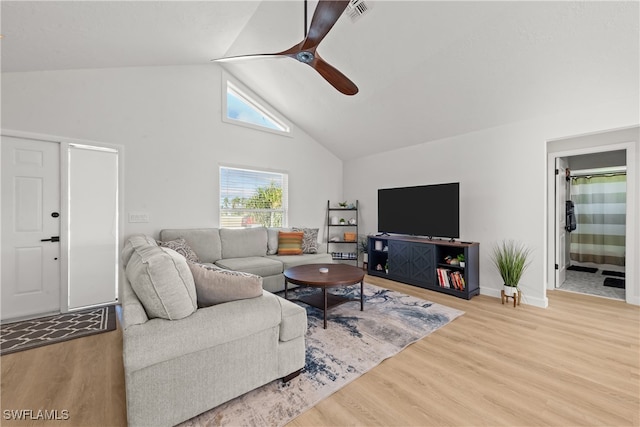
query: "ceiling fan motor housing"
305, 57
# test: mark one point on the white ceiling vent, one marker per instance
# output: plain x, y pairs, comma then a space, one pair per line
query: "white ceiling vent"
357, 8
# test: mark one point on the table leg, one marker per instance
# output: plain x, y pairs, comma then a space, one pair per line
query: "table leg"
362, 295
286, 288
324, 292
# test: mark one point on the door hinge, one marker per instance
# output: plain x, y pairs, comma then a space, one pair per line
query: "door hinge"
557, 171
557, 267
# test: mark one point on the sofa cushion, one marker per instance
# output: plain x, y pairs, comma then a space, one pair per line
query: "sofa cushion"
162, 281
292, 261
217, 286
272, 239
309, 240
137, 240
243, 242
204, 241
290, 242
261, 266
182, 247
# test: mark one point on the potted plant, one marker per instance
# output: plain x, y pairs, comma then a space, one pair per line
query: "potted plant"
511, 258
386, 267
461, 260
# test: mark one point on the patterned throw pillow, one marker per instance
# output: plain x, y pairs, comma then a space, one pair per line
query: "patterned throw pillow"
180, 245
215, 285
290, 242
309, 240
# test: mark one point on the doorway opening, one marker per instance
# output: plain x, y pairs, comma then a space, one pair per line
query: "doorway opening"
595, 226
591, 217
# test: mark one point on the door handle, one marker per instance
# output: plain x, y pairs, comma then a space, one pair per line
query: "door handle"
52, 239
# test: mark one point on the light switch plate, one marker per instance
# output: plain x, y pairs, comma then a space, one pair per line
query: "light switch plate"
138, 217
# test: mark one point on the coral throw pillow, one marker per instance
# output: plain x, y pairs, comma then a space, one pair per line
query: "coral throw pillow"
290, 242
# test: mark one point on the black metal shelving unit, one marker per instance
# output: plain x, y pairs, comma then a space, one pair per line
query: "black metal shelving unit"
341, 249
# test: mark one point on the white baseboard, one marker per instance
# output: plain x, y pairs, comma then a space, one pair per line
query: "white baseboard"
536, 302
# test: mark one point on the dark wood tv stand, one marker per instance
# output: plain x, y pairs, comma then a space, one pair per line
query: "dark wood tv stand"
421, 262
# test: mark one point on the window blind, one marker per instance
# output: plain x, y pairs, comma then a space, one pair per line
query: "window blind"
252, 198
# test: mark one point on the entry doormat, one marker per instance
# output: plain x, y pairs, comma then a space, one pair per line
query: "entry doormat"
27, 334
354, 342
614, 283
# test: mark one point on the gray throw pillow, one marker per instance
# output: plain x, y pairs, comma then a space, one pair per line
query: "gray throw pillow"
162, 282
182, 247
309, 240
216, 286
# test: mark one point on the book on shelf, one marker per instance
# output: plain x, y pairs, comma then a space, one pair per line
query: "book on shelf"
450, 279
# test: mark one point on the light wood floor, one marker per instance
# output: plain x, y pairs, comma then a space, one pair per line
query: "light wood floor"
576, 363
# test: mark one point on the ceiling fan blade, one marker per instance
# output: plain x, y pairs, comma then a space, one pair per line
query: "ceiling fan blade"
246, 57
333, 76
324, 18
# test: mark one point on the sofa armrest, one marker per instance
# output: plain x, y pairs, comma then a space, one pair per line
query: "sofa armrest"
160, 340
132, 310
294, 320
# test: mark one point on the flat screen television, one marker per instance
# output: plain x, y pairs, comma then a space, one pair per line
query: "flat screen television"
425, 210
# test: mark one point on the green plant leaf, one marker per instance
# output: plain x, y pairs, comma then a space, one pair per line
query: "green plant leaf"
511, 258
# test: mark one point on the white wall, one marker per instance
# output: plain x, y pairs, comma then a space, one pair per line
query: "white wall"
169, 121
502, 173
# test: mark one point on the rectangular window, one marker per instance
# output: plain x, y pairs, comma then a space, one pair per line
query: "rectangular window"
252, 198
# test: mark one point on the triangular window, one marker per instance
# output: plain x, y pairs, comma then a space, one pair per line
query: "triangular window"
246, 110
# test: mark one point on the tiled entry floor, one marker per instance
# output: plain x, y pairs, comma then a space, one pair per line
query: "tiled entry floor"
590, 283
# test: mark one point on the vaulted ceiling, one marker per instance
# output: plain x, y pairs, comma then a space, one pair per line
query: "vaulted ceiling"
425, 69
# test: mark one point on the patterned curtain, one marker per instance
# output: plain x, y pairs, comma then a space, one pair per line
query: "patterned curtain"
600, 206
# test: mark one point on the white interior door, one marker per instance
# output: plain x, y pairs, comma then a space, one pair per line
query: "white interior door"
561, 221
30, 227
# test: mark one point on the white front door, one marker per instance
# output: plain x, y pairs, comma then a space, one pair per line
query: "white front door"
30, 227
562, 195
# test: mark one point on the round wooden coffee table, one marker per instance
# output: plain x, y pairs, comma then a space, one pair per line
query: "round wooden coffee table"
309, 275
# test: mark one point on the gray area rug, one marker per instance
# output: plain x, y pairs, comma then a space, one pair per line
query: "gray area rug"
354, 342
27, 334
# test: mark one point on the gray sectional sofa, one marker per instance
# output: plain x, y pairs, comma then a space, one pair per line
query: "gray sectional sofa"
177, 369
251, 250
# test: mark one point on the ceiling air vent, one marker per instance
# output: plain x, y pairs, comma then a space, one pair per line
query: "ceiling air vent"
357, 8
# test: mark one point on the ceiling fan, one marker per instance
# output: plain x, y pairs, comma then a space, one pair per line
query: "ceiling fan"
324, 18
